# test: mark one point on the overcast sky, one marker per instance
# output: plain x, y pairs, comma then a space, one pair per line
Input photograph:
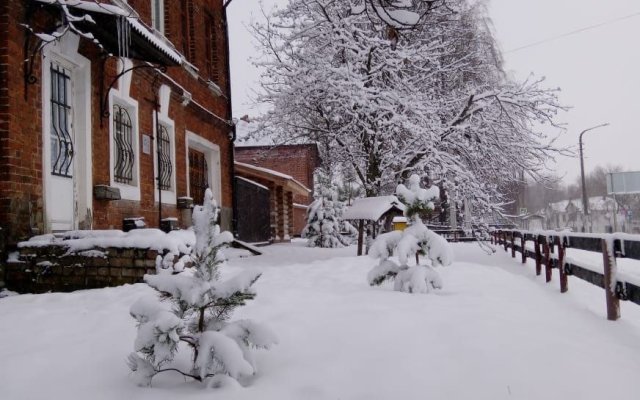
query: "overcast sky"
598, 69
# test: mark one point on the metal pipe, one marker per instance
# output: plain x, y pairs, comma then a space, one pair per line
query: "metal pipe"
234, 186
585, 202
156, 105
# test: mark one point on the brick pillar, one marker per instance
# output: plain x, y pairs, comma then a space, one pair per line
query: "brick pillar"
289, 226
280, 213
273, 200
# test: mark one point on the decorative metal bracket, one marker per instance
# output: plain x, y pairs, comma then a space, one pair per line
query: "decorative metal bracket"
104, 98
33, 45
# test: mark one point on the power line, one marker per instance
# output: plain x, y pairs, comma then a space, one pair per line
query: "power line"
586, 28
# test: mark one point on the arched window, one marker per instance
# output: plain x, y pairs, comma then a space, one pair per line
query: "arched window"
165, 165
123, 145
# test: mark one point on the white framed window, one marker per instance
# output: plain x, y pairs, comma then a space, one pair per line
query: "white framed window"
124, 146
157, 15
203, 167
164, 149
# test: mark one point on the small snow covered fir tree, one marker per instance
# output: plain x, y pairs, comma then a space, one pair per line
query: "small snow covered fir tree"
324, 221
193, 310
416, 239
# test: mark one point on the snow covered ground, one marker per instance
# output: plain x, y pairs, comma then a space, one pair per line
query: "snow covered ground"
494, 332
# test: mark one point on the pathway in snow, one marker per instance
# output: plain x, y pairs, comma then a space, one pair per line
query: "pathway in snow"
494, 332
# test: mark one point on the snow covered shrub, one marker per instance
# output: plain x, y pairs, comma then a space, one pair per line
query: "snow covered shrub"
193, 310
324, 223
419, 201
416, 239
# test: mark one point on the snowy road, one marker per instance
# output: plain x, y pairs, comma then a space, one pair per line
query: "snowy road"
494, 332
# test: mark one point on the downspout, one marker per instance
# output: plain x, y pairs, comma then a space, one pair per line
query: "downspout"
156, 105
234, 200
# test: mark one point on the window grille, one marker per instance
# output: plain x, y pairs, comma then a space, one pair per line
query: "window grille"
61, 140
123, 145
165, 166
198, 176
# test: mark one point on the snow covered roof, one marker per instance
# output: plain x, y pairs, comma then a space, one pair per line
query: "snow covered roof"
103, 10
373, 208
596, 203
289, 182
244, 138
158, 42
253, 182
532, 216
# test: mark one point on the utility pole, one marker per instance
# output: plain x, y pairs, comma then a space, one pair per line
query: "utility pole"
585, 201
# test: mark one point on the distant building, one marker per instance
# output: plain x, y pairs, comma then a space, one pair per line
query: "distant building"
532, 222
298, 161
569, 214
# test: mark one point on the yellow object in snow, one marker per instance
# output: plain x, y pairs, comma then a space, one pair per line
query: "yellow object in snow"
399, 223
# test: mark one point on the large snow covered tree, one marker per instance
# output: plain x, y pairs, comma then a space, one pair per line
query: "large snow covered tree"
193, 310
414, 240
389, 88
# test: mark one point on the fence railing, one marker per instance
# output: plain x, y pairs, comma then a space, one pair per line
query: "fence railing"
549, 250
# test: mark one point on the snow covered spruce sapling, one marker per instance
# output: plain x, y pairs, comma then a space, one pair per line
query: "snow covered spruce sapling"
416, 239
324, 222
193, 310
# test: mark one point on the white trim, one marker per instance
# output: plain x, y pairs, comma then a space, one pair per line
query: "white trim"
157, 25
164, 95
212, 152
132, 191
65, 52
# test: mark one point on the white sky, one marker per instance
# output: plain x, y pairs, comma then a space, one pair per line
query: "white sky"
598, 70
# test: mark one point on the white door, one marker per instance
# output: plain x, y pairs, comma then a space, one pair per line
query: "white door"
61, 201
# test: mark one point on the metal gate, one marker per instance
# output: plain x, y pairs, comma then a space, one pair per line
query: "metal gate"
254, 213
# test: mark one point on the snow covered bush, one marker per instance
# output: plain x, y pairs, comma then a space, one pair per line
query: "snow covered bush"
193, 310
419, 201
324, 223
414, 240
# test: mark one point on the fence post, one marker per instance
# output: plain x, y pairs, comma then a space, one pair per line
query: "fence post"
613, 303
563, 273
536, 244
547, 260
360, 236
523, 242
504, 240
513, 245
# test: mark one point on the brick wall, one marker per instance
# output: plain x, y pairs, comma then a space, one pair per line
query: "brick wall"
21, 141
20, 144
298, 161
52, 268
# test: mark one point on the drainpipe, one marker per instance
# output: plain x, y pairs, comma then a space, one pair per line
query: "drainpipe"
156, 105
234, 200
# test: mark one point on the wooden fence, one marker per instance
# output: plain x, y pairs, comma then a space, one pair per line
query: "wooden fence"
550, 251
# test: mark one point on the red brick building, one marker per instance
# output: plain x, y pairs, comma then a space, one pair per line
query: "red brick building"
118, 108
297, 160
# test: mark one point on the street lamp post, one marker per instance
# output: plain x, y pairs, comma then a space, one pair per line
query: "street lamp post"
585, 202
